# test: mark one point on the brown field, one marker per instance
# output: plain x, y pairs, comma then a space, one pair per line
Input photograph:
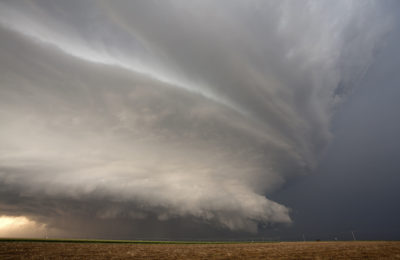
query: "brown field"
282, 250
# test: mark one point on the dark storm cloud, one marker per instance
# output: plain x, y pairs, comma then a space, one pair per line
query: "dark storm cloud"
173, 109
355, 188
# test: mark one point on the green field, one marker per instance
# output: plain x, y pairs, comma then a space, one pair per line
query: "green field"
61, 240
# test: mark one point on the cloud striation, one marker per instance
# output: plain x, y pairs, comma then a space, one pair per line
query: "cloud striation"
172, 109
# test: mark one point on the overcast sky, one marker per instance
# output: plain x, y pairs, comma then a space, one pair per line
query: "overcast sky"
200, 119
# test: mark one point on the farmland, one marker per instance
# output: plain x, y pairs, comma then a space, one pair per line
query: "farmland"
85, 249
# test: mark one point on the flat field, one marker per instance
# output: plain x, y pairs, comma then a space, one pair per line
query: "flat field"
278, 250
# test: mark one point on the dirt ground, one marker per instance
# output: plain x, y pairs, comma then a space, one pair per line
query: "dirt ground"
282, 250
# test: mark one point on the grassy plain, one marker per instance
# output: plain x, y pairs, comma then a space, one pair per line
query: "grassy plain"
106, 249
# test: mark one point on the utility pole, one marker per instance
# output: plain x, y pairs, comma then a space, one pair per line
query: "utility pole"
354, 238
304, 238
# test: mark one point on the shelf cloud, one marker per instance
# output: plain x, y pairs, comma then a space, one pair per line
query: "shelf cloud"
172, 109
